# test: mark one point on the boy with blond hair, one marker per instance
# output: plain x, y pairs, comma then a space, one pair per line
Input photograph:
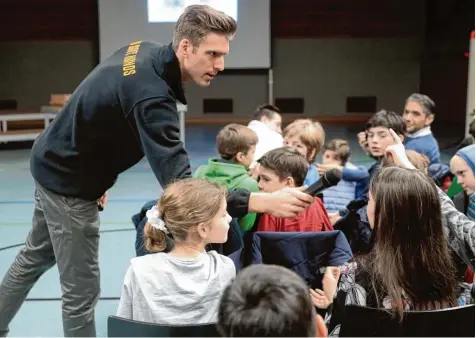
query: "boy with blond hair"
307, 137
236, 145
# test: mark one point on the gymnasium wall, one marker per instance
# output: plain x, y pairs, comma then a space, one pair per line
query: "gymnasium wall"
323, 52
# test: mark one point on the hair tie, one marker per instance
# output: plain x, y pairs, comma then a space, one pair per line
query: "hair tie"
153, 217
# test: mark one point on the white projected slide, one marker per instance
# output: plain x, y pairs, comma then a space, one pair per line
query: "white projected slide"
170, 10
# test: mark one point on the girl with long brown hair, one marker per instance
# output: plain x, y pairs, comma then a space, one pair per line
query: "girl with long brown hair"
410, 267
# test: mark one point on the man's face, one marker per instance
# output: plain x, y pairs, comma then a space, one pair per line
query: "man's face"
201, 64
269, 181
274, 123
415, 118
379, 138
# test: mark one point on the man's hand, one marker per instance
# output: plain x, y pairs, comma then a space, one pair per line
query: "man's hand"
102, 202
284, 203
396, 152
322, 168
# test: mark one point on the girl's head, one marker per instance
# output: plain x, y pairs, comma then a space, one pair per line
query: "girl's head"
192, 211
306, 136
462, 166
411, 251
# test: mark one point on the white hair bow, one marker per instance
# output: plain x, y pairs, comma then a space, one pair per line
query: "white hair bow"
153, 217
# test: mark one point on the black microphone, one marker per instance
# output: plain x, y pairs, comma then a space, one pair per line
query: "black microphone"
329, 179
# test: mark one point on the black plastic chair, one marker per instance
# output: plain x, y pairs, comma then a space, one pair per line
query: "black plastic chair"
360, 321
120, 327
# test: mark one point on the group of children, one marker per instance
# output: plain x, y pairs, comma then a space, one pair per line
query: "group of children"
289, 161
183, 283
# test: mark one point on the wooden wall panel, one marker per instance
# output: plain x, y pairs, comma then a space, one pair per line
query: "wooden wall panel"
48, 20
77, 19
346, 18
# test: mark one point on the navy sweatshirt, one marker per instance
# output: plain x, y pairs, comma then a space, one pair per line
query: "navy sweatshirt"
123, 110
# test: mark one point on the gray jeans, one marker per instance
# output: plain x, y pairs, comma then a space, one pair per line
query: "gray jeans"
65, 231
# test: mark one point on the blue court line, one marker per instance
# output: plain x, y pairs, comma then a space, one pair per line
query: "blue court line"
118, 200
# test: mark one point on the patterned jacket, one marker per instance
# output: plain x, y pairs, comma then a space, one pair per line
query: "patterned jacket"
459, 230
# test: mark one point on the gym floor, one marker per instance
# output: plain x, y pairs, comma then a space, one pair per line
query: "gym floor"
40, 315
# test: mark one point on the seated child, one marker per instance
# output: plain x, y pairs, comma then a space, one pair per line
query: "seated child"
336, 156
379, 138
236, 145
286, 167
268, 301
307, 137
180, 283
462, 166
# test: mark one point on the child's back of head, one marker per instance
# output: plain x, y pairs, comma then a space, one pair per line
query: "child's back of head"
306, 136
267, 301
237, 143
280, 168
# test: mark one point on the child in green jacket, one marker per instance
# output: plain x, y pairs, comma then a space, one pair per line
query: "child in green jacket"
236, 145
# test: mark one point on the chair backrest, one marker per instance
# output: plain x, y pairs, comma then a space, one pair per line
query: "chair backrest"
120, 327
306, 253
360, 321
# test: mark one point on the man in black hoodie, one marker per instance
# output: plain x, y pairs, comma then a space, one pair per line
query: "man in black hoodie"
124, 109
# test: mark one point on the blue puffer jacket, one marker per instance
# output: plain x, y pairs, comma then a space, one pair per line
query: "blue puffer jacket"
353, 177
336, 198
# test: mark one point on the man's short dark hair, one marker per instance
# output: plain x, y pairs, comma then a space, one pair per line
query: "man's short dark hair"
265, 110
267, 301
387, 119
424, 101
286, 162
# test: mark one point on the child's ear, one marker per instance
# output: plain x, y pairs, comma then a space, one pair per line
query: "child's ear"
202, 230
239, 157
290, 182
402, 137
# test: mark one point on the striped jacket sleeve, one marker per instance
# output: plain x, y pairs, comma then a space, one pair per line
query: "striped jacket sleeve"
459, 229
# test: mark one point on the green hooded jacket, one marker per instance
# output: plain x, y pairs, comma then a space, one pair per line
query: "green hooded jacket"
232, 176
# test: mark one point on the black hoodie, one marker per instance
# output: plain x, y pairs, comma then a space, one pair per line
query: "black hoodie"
123, 110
